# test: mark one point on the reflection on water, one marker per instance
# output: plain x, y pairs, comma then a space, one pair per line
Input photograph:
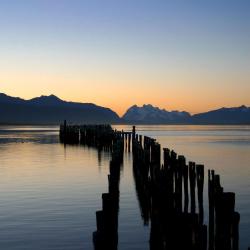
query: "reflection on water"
22, 134
226, 149
49, 193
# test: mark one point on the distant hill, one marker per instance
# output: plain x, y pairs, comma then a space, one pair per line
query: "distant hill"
51, 110
154, 115
236, 115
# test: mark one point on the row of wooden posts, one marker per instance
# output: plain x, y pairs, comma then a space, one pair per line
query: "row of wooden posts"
167, 192
106, 235
102, 137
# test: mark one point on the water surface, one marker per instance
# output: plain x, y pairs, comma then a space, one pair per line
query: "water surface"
49, 193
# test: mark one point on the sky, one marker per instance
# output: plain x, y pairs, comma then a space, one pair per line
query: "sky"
191, 55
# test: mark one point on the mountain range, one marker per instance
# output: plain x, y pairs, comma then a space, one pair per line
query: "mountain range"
52, 110
147, 114
151, 115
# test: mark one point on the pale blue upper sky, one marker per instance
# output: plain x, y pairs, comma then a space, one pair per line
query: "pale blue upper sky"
167, 50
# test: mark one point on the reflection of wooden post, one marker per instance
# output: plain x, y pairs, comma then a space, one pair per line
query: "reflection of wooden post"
192, 177
106, 236
224, 208
99, 221
204, 237
129, 142
200, 185
178, 179
185, 177
235, 231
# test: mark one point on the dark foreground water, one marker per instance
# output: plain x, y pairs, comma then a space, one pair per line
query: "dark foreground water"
49, 193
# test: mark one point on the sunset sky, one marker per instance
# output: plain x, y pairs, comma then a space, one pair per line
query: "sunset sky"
186, 55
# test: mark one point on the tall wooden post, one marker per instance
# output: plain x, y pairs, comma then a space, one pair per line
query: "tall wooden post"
133, 133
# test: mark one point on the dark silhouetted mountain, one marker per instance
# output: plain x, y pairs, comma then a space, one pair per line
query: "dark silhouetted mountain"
236, 115
52, 110
9, 99
153, 115
50, 100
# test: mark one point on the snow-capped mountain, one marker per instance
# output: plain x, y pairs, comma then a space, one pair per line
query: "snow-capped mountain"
150, 114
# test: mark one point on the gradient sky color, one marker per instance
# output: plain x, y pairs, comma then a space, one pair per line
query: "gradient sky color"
180, 54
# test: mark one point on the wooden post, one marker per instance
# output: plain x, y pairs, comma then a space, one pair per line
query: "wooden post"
186, 198
235, 231
211, 209
133, 133
192, 177
200, 186
140, 139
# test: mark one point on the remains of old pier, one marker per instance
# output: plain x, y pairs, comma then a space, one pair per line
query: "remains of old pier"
170, 193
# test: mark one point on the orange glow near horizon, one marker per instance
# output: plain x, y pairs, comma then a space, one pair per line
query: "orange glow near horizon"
185, 95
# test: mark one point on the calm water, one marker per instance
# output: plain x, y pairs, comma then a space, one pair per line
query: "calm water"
49, 193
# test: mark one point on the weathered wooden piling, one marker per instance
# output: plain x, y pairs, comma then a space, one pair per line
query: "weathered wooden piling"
211, 190
223, 220
185, 183
192, 182
106, 237
200, 186
133, 133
